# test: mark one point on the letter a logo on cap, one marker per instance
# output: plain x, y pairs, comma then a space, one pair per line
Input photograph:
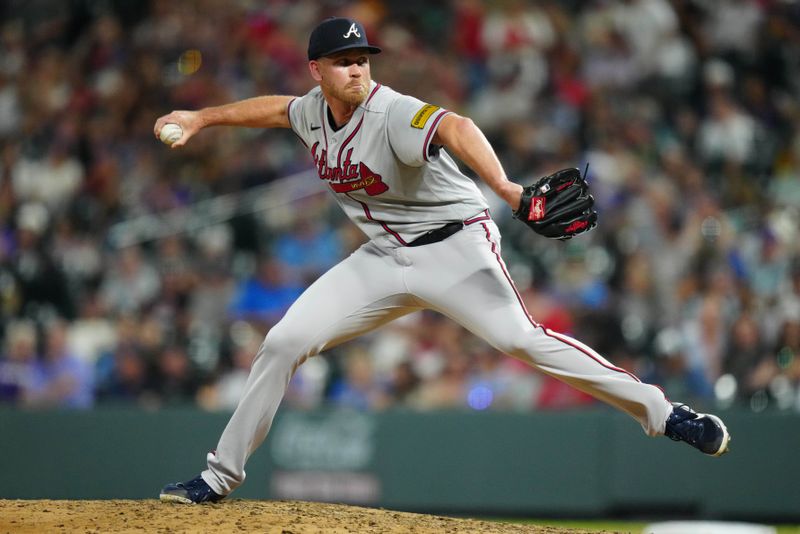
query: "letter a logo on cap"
352, 31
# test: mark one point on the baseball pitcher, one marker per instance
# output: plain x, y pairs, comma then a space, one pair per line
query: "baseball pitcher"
386, 158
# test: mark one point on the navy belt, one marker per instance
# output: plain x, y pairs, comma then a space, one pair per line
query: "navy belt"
439, 234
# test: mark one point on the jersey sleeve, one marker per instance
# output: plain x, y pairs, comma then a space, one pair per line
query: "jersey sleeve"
411, 126
299, 121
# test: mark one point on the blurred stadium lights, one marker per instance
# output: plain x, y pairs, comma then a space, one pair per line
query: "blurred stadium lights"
725, 390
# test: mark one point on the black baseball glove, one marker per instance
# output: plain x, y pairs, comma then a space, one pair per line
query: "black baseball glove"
558, 206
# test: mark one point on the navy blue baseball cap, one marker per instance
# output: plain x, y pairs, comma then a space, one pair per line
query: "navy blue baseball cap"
336, 34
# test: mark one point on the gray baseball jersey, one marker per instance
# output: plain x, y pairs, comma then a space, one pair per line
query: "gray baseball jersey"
395, 186
382, 167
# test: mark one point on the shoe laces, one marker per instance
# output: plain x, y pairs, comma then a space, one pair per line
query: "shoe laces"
684, 424
200, 490
198, 487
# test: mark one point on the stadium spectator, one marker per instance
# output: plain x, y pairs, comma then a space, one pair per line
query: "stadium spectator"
17, 363
60, 379
267, 294
130, 284
308, 249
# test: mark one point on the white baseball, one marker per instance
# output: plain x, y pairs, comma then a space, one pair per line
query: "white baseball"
170, 133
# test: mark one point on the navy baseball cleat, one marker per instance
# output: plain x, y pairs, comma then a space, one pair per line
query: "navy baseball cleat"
195, 491
704, 432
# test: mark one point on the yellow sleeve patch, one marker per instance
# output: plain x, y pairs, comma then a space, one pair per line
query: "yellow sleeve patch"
422, 116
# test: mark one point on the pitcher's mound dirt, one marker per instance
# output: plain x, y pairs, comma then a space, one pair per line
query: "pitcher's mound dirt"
273, 517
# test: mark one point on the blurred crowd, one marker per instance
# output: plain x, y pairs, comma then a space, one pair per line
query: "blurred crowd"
687, 112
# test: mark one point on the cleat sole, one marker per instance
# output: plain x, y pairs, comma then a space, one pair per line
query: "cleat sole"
167, 497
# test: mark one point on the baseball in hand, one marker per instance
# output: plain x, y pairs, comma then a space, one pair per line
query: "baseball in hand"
170, 133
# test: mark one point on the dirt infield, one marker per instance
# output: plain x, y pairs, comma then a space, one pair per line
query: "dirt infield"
273, 517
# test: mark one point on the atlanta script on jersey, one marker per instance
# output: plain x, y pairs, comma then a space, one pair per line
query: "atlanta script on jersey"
385, 173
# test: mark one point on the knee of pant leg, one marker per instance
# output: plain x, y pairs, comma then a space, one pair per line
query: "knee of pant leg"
279, 353
283, 343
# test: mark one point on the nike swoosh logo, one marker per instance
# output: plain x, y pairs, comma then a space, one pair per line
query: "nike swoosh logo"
315, 128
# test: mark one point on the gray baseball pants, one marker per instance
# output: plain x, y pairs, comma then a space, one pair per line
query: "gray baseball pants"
464, 278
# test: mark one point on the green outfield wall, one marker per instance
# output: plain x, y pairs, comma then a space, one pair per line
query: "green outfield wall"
584, 463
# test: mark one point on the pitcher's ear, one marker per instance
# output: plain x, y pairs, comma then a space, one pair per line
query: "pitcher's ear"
313, 67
